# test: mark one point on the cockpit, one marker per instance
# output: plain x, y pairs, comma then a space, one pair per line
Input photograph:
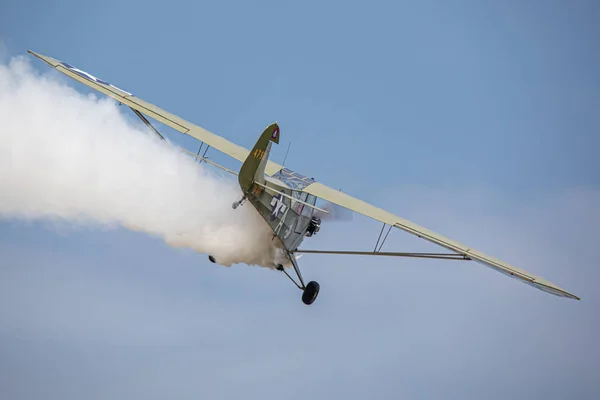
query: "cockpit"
296, 183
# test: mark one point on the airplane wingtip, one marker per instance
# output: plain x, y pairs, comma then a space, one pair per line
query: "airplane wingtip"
34, 53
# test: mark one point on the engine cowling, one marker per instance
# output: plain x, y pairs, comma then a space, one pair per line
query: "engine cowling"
313, 226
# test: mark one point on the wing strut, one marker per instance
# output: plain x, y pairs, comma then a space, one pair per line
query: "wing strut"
442, 256
199, 150
384, 238
203, 157
208, 161
148, 124
197, 156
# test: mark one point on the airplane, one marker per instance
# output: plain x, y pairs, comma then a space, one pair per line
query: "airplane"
286, 200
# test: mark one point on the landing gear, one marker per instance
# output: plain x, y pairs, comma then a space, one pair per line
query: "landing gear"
310, 291
212, 259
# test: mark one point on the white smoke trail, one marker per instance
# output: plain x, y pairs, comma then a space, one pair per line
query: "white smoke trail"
69, 157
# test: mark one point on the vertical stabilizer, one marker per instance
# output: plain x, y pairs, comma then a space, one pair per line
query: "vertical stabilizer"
253, 168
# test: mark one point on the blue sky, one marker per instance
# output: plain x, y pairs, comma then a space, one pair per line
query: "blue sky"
477, 119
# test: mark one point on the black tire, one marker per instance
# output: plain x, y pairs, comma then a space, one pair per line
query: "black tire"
310, 293
212, 259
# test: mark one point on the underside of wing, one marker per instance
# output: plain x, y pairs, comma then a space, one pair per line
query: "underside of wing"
361, 207
217, 142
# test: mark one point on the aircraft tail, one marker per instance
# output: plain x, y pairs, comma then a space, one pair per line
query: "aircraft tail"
253, 168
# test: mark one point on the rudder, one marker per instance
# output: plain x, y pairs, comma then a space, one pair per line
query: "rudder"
253, 168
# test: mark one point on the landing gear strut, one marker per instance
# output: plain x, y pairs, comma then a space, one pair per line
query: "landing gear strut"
310, 291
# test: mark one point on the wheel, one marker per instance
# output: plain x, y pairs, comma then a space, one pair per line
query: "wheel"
311, 291
212, 259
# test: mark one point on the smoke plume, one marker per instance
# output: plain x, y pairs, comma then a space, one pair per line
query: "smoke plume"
65, 156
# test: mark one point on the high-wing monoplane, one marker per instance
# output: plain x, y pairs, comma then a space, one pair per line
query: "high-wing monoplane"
287, 200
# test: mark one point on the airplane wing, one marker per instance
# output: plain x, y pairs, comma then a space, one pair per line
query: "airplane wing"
316, 188
326, 193
217, 142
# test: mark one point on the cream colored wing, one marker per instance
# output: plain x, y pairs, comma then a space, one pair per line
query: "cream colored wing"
359, 206
231, 149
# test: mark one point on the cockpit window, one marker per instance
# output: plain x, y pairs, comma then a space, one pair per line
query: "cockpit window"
308, 211
296, 206
293, 179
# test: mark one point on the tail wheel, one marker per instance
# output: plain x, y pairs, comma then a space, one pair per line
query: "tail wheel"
311, 291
